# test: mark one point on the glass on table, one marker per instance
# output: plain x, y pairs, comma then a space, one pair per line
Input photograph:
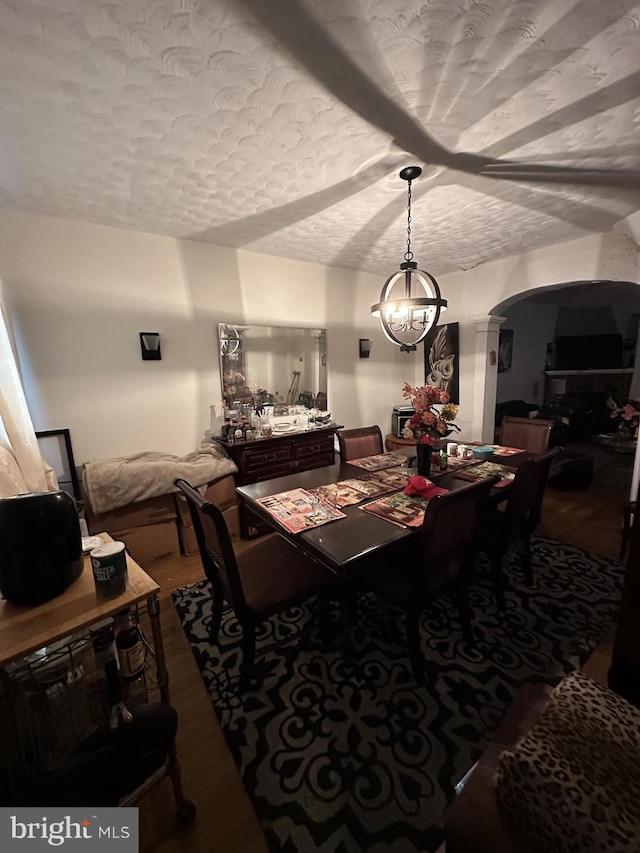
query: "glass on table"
410, 466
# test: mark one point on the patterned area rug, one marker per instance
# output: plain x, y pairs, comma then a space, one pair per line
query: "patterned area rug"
346, 756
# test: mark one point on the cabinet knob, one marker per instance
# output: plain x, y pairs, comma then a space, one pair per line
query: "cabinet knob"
270, 458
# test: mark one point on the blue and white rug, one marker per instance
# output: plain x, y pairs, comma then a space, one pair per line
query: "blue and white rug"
341, 755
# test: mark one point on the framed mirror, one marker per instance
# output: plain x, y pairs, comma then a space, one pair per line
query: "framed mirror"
271, 365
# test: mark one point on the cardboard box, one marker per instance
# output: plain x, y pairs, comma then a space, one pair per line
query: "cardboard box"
188, 541
221, 493
139, 514
232, 519
152, 543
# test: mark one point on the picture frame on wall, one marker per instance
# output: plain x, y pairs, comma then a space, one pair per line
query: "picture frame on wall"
442, 359
505, 351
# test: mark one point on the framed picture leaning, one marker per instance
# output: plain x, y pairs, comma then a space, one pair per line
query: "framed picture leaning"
441, 359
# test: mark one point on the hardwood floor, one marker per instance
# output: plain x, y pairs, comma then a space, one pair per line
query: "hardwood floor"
589, 518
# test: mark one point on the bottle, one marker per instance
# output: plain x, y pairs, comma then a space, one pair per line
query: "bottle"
215, 422
444, 459
132, 658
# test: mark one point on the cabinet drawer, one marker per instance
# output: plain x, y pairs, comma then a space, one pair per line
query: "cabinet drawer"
318, 461
312, 447
265, 459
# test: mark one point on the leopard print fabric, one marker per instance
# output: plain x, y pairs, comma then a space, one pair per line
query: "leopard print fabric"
572, 783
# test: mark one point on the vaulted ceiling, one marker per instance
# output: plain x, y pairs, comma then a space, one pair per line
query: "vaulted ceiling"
281, 126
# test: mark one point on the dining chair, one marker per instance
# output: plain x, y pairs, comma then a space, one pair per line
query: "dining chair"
267, 578
359, 442
442, 555
321, 401
526, 433
510, 526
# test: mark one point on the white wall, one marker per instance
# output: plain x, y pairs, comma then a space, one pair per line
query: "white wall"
533, 326
80, 293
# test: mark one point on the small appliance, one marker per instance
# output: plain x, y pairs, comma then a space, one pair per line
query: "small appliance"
399, 416
40, 546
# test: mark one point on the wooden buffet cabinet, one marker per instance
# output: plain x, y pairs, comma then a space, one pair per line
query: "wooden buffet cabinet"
278, 456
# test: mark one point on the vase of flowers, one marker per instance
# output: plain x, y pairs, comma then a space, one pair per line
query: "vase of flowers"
431, 420
628, 418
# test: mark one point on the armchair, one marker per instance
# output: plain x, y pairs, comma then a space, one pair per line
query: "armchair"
561, 774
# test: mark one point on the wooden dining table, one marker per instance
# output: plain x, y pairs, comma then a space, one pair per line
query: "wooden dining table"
341, 543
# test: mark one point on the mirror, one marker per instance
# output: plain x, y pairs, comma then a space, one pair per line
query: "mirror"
267, 365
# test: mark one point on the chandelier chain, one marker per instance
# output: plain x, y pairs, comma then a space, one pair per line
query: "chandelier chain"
408, 255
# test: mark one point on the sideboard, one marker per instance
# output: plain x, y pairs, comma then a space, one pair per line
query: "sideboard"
277, 456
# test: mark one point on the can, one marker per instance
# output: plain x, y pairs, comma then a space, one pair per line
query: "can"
109, 564
103, 641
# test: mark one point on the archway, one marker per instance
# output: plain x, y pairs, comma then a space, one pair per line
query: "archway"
588, 314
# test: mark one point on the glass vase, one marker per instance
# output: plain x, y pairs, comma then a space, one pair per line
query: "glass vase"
423, 454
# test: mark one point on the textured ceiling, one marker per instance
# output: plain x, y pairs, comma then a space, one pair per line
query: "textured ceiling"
281, 126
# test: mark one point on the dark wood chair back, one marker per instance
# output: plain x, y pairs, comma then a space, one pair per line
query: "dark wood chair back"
216, 550
524, 504
270, 577
515, 525
531, 434
442, 555
360, 442
450, 533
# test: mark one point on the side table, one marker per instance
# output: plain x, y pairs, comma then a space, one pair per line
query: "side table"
392, 442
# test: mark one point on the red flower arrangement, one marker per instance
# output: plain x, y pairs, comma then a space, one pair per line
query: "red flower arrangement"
629, 417
428, 424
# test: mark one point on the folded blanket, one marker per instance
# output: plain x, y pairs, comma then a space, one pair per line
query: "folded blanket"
113, 483
423, 487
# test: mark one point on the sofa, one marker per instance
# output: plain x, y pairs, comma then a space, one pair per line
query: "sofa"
561, 775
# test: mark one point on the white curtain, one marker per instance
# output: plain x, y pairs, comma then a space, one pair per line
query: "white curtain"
634, 394
22, 468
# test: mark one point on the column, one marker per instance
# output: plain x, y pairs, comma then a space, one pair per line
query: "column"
486, 374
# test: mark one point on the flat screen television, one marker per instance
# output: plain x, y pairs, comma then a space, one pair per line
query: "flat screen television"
588, 352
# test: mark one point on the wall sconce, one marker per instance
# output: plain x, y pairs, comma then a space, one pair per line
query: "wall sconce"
150, 346
365, 347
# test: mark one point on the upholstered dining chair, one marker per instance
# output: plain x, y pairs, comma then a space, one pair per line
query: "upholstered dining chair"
512, 525
526, 433
267, 578
359, 442
441, 556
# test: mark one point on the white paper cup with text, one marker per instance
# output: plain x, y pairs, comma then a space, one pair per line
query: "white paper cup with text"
109, 564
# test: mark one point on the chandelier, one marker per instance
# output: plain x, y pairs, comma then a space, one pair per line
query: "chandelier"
410, 302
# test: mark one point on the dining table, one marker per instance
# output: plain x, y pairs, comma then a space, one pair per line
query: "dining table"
346, 541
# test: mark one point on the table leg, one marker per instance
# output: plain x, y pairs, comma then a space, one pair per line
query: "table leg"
185, 808
348, 611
